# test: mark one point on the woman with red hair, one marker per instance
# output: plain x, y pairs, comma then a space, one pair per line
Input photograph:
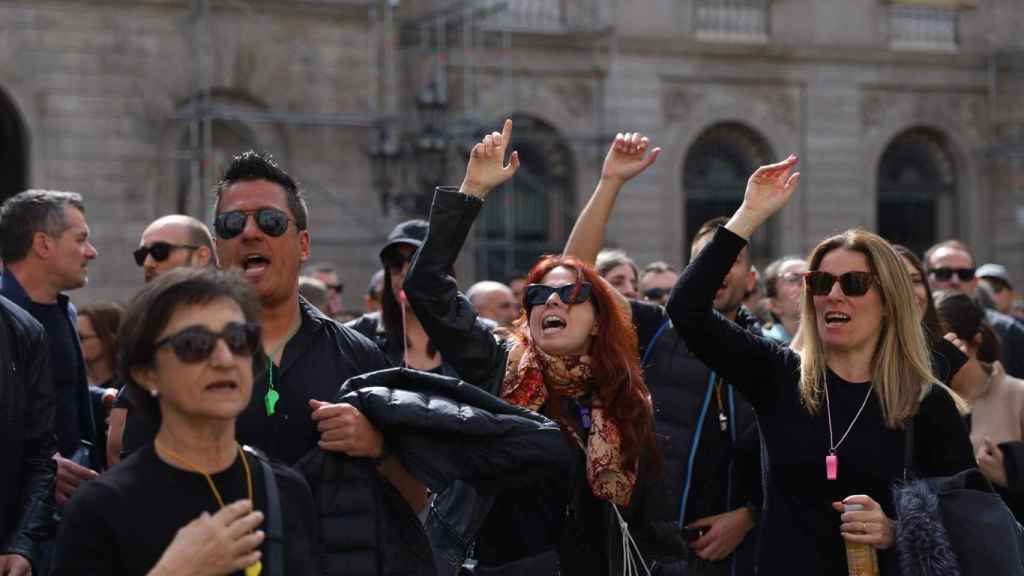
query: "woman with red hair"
573, 356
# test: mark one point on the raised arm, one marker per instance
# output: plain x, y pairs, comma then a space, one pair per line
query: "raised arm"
718, 342
446, 315
627, 157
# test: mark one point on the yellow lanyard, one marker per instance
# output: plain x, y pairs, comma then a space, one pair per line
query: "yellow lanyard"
256, 568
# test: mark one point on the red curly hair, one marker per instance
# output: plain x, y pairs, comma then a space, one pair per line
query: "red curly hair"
619, 382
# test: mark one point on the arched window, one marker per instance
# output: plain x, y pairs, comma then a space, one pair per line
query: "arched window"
917, 190
532, 214
13, 150
715, 176
230, 138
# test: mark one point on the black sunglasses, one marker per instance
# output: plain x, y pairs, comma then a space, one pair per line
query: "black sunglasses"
159, 251
945, 274
271, 221
852, 283
656, 293
195, 343
395, 260
540, 293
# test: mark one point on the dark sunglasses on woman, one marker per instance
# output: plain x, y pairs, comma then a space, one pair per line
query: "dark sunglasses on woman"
944, 274
852, 283
271, 221
196, 343
540, 293
160, 251
395, 260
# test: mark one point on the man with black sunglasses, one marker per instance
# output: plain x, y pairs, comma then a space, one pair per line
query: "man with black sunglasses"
168, 242
173, 241
951, 266
261, 226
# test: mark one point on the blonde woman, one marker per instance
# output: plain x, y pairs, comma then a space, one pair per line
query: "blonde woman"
832, 417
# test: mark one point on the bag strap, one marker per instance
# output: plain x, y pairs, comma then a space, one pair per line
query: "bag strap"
650, 345
908, 449
273, 562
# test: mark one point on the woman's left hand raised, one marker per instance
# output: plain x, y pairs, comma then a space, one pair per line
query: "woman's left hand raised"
867, 526
627, 157
486, 168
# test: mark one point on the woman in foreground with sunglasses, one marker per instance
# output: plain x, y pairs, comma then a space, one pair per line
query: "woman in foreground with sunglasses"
573, 357
832, 417
192, 502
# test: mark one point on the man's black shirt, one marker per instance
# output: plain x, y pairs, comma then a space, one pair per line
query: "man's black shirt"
65, 369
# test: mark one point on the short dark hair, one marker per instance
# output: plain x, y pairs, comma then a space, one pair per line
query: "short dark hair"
151, 309
32, 211
249, 166
951, 243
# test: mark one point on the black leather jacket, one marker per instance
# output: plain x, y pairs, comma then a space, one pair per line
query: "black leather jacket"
450, 321
27, 406
442, 430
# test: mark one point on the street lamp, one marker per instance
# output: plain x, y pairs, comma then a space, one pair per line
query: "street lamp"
394, 154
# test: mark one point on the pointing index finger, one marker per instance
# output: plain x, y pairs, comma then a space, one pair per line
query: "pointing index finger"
506, 132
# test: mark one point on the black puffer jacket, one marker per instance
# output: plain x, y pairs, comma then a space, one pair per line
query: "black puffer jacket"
27, 405
442, 430
726, 472
561, 514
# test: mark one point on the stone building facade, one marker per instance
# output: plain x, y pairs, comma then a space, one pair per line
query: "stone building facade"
906, 114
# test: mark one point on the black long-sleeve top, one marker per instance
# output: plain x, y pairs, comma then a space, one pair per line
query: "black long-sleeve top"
800, 528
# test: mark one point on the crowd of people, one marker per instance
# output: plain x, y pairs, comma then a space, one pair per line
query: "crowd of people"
591, 417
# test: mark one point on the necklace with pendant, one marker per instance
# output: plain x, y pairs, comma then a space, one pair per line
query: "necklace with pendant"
832, 459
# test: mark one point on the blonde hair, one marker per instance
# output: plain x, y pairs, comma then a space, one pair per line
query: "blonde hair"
901, 364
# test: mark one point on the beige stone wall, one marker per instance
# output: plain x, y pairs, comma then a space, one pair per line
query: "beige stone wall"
99, 83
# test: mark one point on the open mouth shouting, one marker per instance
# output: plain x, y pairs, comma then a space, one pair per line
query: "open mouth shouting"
836, 319
254, 265
552, 324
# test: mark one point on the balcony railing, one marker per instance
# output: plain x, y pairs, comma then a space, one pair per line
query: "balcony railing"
923, 27
732, 20
545, 16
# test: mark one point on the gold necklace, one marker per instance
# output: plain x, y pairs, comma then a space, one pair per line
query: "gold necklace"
256, 568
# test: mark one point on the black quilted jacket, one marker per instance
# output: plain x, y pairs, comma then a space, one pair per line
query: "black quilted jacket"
442, 430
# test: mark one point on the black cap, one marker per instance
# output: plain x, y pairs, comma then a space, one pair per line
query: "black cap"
411, 232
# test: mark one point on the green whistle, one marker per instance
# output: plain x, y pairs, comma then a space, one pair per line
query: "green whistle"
271, 401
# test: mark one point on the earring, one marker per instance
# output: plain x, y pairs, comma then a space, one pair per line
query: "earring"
154, 393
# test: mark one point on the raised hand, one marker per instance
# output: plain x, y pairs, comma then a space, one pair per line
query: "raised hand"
627, 157
768, 190
486, 168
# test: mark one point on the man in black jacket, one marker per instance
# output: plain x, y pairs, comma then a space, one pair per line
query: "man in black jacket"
27, 476
261, 231
44, 241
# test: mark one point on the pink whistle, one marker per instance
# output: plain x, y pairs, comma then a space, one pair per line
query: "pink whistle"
831, 467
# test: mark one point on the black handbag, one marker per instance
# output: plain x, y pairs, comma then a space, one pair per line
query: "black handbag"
954, 525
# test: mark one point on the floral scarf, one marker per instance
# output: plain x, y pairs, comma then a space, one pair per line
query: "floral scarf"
529, 375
